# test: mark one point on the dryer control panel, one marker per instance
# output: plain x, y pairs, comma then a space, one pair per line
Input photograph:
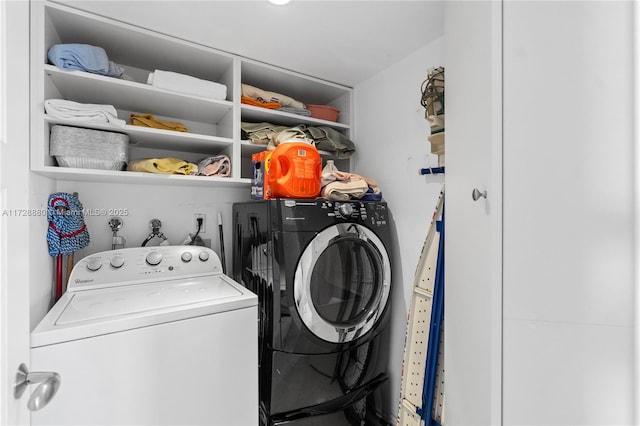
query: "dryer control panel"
370, 213
312, 215
140, 264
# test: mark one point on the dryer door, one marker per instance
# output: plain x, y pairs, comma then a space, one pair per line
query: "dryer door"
342, 282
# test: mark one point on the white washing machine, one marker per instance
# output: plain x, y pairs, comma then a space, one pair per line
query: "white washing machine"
150, 336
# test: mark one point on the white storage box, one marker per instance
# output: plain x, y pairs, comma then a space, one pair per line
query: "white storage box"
88, 148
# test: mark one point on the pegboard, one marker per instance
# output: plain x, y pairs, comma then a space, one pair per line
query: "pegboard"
408, 415
416, 350
426, 270
438, 396
419, 327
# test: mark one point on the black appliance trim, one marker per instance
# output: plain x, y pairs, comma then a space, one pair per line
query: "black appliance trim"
332, 406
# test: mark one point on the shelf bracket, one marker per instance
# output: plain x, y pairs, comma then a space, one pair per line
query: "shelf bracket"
431, 171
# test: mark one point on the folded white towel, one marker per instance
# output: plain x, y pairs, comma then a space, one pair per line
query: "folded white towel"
70, 110
182, 83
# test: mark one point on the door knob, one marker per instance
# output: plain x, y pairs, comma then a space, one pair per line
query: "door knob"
476, 194
46, 390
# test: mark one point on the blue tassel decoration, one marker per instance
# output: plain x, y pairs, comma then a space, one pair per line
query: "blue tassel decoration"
67, 232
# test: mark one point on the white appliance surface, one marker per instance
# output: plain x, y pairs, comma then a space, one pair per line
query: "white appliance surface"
150, 336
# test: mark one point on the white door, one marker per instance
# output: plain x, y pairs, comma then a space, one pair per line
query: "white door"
569, 220
14, 226
473, 315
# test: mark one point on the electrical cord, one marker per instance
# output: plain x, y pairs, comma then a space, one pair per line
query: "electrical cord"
199, 220
433, 90
195, 237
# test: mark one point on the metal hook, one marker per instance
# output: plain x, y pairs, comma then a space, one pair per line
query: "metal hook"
115, 223
117, 242
155, 226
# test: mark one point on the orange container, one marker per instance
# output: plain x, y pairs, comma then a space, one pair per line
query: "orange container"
293, 170
324, 112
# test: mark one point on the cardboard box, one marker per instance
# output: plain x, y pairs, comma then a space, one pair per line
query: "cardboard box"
259, 179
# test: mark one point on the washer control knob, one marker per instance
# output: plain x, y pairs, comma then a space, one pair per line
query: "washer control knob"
186, 256
154, 258
345, 209
204, 256
117, 261
94, 264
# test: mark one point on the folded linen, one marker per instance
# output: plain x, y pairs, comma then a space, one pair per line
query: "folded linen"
148, 120
372, 194
162, 165
300, 111
260, 133
326, 138
344, 190
337, 175
216, 165
187, 84
291, 134
331, 140
95, 113
83, 57
337, 185
256, 93
260, 103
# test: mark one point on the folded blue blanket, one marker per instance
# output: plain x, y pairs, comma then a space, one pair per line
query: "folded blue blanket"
83, 57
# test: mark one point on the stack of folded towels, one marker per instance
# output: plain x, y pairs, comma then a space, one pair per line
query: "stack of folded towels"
252, 95
83, 57
215, 165
326, 138
167, 165
182, 83
86, 113
149, 120
342, 186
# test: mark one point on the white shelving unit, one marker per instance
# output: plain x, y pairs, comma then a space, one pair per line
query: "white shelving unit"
214, 125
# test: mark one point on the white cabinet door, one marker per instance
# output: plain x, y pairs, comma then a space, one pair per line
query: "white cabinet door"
473, 228
568, 213
196, 371
14, 201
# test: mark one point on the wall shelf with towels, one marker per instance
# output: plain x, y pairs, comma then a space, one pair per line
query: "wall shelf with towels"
214, 124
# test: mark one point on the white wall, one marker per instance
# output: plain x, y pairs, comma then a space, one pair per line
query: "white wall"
568, 213
392, 147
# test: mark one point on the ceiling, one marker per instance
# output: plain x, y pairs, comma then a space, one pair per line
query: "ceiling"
345, 42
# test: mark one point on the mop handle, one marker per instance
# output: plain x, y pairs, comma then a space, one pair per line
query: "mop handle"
69, 269
62, 210
58, 276
222, 257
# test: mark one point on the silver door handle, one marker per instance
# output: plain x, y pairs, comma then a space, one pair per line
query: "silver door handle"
44, 393
476, 194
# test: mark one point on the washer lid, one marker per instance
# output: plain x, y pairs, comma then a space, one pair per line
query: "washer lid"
113, 302
79, 315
